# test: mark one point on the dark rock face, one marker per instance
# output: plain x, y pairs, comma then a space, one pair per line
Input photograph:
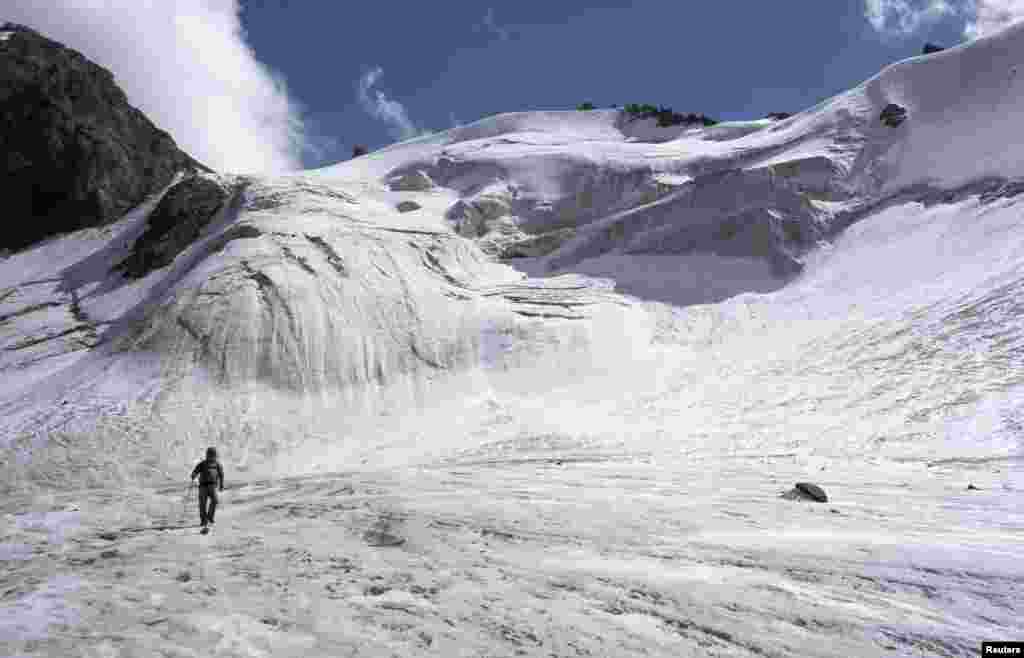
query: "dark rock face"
359, 150
930, 48
175, 223
75, 153
779, 116
893, 115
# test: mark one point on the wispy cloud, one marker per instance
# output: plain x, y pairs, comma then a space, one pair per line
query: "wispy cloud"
322, 146
490, 26
900, 18
388, 110
188, 66
905, 17
992, 15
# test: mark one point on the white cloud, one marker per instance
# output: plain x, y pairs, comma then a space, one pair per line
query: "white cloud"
187, 66
906, 17
388, 110
992, 15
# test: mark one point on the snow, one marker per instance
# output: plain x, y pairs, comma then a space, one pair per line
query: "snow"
10, 552
5, 35
584, 451
54, 524
962, 107
31, 616
682, 280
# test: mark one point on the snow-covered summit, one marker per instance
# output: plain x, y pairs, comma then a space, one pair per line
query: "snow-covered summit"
569, 187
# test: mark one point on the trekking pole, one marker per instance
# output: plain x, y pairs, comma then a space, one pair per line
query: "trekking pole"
188, 496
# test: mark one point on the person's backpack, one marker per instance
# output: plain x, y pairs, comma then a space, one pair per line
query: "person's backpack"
208, 472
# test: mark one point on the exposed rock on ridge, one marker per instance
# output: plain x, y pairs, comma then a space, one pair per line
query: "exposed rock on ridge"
177, 221
77, 153
893, 115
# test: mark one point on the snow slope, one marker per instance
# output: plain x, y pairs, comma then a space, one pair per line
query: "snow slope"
576, 395
631, 187
294, 290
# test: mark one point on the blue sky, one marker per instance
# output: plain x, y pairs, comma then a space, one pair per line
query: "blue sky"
275, 85
460, 61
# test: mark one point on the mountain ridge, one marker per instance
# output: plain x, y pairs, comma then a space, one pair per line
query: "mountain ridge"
78, 154
730, 209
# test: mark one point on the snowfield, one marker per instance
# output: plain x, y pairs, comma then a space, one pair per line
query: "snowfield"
575, 382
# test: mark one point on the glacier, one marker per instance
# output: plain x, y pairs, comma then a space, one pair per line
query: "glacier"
575, 379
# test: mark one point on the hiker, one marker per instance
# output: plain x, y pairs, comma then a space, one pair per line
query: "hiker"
210, 476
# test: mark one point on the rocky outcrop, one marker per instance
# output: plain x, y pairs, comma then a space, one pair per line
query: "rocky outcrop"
407, 206
537, 246
477, 217
893, 115
491, 208
465, 219
416, 181
930, 48
174, 225
76, 153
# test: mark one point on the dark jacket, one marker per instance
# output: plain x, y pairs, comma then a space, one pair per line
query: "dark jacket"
209, 472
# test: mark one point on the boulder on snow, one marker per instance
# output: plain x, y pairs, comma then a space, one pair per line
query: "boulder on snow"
812, 491
779, 116
359, 150
416, 181
408, 206
930, 48
174, 224
806, 491
76, 153
893, 115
